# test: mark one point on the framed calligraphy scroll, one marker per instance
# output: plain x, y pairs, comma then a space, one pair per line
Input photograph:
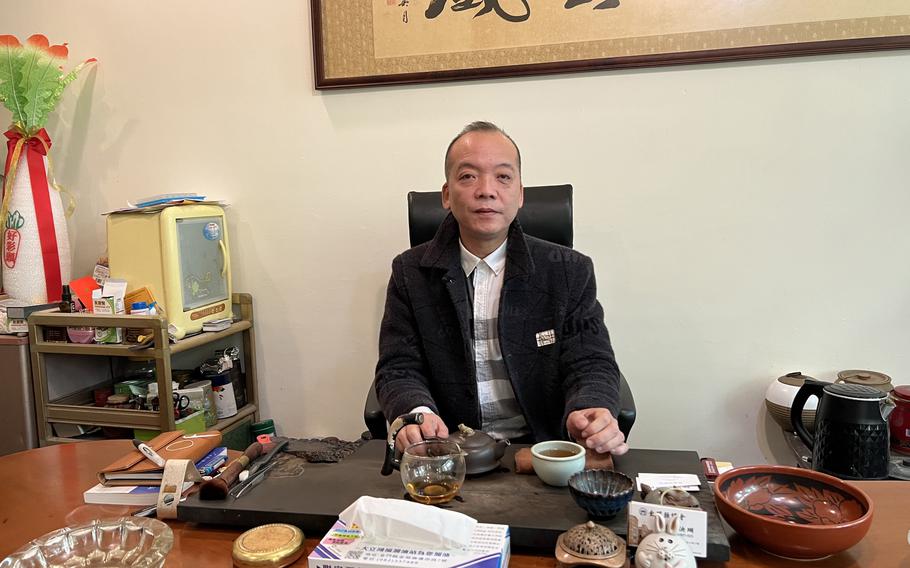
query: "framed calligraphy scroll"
367, 42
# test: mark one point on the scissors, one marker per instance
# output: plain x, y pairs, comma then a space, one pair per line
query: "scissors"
181, 403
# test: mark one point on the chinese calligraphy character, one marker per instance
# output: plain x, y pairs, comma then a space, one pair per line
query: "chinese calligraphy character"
606, 4
437, 6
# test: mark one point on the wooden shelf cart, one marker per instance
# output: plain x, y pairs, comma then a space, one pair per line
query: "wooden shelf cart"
161, 351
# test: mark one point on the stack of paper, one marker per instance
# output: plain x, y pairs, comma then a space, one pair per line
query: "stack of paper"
125, 494
217, 325
151, 206
163, 198
687, 481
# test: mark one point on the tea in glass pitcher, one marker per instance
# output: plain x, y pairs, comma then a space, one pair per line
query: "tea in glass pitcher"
432, 471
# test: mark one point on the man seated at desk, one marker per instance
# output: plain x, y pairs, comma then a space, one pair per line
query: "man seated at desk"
490, 327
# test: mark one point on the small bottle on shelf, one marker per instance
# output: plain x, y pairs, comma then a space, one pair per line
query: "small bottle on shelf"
67, 305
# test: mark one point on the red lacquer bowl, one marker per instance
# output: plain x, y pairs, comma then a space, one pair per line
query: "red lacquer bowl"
792, 512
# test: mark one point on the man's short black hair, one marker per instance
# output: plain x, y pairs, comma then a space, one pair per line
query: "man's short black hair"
480, 126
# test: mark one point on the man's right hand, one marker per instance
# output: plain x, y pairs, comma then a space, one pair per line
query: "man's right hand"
432, 427
596, 428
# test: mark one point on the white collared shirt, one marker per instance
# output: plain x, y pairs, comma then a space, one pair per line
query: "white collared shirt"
500, 414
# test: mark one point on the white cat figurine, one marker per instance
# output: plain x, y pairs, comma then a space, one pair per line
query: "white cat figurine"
664, 548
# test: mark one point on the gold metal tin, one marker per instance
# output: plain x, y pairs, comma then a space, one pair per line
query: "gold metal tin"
268, 546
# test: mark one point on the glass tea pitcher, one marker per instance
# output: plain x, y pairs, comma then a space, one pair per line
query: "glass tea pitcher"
432, 471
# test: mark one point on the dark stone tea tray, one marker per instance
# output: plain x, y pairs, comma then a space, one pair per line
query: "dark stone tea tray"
536, 513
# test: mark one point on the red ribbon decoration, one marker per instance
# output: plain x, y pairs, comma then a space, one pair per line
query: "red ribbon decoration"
35, 148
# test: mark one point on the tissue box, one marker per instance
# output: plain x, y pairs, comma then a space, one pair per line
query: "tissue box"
343, 547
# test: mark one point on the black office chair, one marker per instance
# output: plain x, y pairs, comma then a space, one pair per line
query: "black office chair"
546, 214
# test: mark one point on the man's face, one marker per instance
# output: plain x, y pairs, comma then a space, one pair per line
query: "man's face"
483, 186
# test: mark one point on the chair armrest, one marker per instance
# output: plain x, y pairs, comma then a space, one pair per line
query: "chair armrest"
626, 416
373, 416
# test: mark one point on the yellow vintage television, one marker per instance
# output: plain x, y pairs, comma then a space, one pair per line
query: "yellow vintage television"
182, 254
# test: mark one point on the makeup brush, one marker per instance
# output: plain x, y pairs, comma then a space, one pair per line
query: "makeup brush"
217, 488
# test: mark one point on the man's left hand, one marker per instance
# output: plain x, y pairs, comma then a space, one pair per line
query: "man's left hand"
596, 428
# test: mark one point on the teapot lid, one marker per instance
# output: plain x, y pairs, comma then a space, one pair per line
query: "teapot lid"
471, 439
860, 377
794, 379
855, 391
591, 541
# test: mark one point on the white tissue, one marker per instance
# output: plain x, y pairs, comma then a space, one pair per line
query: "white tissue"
396, 520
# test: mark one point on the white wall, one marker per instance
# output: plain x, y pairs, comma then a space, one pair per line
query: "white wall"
746, 219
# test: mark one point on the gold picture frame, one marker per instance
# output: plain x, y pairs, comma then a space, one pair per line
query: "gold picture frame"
359, 43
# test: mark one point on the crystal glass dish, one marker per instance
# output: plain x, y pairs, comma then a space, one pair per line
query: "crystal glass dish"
128, 542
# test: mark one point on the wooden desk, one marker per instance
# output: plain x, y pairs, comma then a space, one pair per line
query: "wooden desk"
40, 488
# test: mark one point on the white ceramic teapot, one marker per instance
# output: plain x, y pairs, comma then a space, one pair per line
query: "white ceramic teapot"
779, 399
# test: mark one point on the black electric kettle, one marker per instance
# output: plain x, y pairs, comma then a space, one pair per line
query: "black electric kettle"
851, 429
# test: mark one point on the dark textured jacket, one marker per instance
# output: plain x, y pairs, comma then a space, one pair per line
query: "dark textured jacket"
425, 354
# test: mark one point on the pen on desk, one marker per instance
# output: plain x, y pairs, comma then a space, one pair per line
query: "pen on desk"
149, 453
212, 469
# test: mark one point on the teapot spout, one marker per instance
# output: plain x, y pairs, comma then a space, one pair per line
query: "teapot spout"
500, 449
886, 406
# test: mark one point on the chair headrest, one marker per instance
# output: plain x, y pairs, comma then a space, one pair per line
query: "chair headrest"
546, 214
